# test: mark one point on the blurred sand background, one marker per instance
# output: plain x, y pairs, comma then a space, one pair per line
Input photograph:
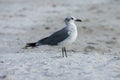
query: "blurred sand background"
23, 21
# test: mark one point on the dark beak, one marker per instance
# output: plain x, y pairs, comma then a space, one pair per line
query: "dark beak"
78, 20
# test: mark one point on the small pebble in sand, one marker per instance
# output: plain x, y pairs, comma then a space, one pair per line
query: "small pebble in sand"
1, 61
47, 28
89, 48
3, 77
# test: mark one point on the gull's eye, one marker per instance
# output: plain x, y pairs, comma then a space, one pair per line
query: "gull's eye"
72, 18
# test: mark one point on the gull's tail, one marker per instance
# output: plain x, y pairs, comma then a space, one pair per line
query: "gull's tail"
32, 45
38, 43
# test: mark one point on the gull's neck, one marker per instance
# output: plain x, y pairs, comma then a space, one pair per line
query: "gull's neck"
70, 24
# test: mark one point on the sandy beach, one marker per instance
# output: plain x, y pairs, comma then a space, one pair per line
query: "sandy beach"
94, 56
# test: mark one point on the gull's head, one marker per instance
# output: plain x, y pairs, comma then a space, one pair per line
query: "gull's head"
71, 19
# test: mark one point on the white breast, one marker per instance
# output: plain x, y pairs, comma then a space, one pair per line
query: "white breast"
72, 31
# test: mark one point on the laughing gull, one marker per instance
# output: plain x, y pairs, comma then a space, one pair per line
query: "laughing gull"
63, 37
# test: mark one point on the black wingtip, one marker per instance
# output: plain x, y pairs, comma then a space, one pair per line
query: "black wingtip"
32, 45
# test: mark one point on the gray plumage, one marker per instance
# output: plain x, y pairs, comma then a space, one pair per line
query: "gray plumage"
55, 38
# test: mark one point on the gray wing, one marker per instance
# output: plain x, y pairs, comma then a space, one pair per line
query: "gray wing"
55, 38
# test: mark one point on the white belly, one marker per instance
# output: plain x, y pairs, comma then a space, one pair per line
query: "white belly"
72, 37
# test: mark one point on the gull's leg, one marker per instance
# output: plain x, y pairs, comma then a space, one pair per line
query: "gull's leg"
62, 52
65, 51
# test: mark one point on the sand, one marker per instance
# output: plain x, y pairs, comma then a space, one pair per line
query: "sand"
94, 56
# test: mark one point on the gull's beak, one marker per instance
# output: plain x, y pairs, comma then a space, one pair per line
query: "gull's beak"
78, 20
